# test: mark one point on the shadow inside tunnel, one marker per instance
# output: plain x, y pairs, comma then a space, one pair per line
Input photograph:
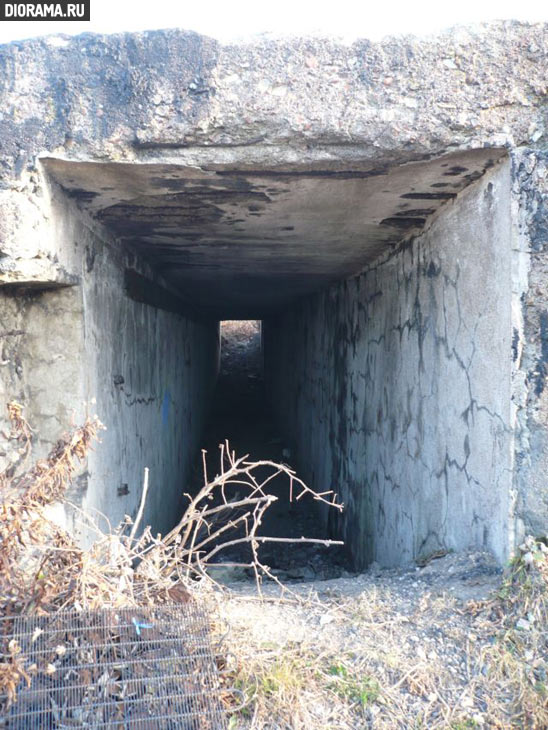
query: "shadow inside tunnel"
241, 415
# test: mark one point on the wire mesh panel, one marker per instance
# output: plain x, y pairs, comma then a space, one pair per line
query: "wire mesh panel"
114, 668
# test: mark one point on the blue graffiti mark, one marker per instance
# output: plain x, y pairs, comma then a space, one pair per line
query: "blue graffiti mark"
165, 407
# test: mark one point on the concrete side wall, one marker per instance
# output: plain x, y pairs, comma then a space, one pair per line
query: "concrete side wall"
530, 340
151, 374
41, 341
396, 387
90, 349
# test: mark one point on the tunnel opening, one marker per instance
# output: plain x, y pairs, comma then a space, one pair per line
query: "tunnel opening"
242, 414
384, 296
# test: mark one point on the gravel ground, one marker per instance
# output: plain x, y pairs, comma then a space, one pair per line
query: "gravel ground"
451, 643
405, 648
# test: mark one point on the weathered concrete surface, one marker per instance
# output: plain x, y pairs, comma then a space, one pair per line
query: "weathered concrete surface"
127, 96
403, 375
233, 118
530, 339
42, 352
192, 179
242, 244
86, 349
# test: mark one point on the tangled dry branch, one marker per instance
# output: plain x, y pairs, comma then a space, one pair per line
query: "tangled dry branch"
42, 568
28, 574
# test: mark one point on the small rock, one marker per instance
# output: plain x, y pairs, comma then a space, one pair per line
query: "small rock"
295, 573
523, 625
410, 103
226, 573
528, 544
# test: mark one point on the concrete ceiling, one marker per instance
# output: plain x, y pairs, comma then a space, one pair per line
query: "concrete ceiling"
241, 242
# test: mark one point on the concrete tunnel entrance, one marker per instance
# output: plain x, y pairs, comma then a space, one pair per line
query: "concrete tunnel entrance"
385, 298
242, 413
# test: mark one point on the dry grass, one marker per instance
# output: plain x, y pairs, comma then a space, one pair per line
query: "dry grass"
517, 657
294, 687
300, 661
39, 563
42, 569
355, 661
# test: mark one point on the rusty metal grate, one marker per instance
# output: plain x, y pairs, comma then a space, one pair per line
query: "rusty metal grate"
114, 668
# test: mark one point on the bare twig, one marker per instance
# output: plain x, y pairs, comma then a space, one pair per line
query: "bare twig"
133, 569
141, 505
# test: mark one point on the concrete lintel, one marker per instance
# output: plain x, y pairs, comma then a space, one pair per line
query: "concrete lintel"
36, 274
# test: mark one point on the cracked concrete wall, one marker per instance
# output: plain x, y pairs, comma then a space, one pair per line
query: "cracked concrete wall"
530, 339
396, 387
150, 373
171, 98
90, 349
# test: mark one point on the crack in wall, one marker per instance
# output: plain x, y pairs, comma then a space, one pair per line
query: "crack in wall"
386, 383
530, 321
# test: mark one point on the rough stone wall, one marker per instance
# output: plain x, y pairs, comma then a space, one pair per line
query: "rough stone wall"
530, 339
396, 387
41, 342
130, 94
